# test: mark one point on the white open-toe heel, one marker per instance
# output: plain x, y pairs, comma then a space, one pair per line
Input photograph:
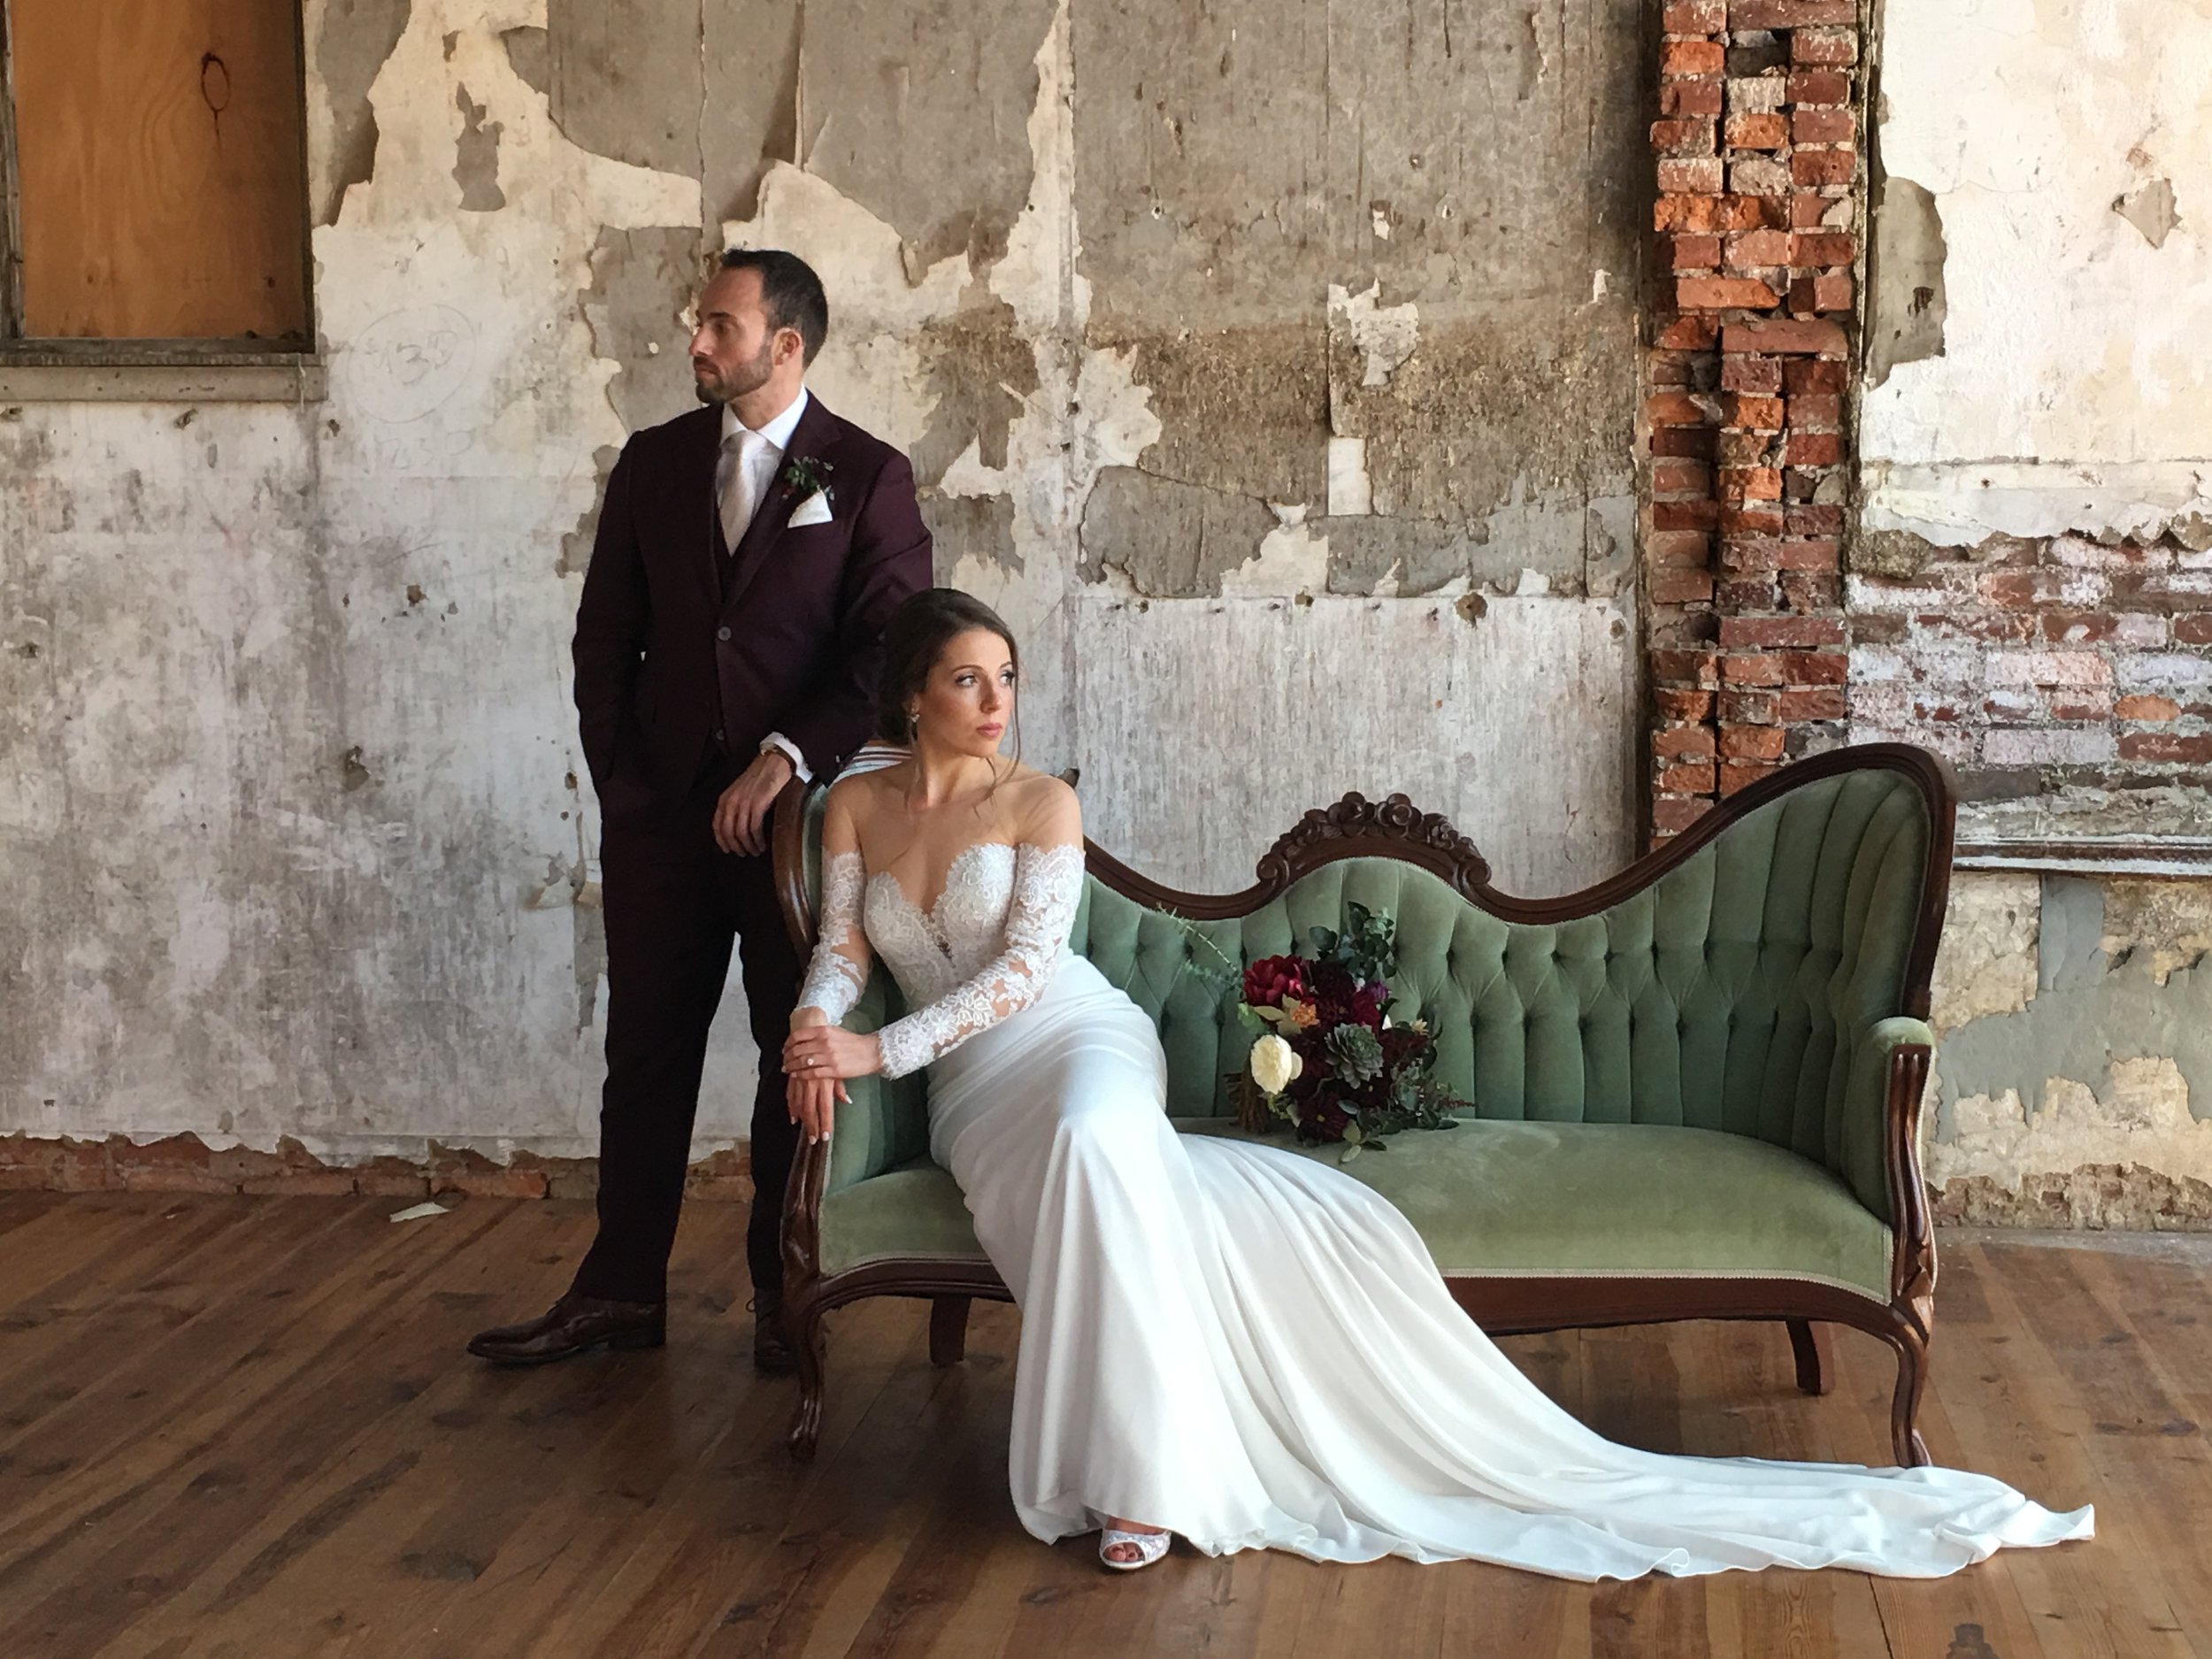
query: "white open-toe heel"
1150, 1548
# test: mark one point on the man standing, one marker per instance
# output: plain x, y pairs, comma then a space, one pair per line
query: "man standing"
730, 637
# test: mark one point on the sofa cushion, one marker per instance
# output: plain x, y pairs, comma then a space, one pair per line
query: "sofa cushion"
1611, 1200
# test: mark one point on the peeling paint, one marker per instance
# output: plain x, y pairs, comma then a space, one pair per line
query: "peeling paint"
1987, 964
530, 55
2139, 1121
576, 542
1350, 493
476, 155
925, 126
1386, 334
2065, 398
1168, 538
1906, 310
1291, 560
1243, 410
2149, 207
1414, 555
1955, 503
982, 375
352, 40
2088, 1197
1900, 555
628, 83
2075, 1018
643, 280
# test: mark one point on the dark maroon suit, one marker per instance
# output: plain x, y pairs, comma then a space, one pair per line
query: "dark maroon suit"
687, 656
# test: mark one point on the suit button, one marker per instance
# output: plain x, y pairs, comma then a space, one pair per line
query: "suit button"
718, 737
721, 634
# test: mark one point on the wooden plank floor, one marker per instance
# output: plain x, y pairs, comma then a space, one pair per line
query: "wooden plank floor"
243, 1428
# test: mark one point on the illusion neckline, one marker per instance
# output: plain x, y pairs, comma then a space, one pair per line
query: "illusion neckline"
928, 912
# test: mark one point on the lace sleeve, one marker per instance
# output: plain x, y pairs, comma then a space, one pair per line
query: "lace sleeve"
1048, 887
838, 971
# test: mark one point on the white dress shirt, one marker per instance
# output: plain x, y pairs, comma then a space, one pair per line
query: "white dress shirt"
760, 472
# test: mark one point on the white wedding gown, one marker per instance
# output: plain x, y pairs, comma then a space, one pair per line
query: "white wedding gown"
1253, 1350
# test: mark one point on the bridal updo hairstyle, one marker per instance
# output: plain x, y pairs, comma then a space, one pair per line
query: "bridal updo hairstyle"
916, 638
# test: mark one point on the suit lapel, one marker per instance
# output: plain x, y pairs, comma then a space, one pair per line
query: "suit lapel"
815, 435
701, 450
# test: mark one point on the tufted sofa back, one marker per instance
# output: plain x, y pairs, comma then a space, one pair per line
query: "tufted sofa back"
1730, 992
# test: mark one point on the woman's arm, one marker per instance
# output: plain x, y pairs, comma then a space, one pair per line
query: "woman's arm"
837, 973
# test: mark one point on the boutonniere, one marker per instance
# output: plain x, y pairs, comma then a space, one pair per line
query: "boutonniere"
809, 474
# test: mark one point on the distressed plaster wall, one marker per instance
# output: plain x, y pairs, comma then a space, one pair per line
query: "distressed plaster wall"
2032, 581
2074, 1077
1278, 385
2036, 425
2048, 195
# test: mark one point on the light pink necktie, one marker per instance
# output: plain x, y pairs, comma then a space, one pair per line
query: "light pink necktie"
735, 488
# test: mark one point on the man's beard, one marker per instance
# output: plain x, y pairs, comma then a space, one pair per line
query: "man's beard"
747, 377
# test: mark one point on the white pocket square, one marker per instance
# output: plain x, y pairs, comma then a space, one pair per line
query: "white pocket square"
814, 509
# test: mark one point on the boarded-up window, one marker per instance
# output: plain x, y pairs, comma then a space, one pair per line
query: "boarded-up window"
159, 172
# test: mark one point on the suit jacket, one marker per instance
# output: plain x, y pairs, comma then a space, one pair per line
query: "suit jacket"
676, 652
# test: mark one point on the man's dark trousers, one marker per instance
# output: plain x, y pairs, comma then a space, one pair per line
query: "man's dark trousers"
673, 901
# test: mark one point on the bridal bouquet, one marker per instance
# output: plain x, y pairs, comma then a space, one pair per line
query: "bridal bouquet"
1331, 1063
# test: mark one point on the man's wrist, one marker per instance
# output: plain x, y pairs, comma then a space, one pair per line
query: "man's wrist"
777, 743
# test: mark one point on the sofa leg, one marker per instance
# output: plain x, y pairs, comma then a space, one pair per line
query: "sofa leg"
803, 1321
1904, 1407
947, 1330
1815, 1368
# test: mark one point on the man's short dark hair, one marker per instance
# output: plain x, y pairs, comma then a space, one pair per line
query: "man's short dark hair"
790, 293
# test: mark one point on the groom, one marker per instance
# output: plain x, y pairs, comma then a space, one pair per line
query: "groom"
729, 638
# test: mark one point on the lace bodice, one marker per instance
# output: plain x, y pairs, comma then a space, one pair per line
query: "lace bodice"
985, 949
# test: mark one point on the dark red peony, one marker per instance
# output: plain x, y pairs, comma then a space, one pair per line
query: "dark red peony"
1344, 1001
1271, 979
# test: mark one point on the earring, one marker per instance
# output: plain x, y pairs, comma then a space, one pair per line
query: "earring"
913, 727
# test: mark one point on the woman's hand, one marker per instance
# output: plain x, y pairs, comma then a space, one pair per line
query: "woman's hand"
812, 1103
818, 1053
817, 1058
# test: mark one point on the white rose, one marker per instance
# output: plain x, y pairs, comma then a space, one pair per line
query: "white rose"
1275, 1064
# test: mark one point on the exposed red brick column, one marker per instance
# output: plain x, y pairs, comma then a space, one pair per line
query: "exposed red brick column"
1752, 342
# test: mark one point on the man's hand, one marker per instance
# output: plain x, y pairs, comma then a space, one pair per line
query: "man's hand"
741, 817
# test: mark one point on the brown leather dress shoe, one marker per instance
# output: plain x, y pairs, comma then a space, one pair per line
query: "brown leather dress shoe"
573, 1325
772, 1353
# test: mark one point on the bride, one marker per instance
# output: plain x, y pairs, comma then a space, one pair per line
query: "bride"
1219, 1338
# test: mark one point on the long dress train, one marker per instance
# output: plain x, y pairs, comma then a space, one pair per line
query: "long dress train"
1252, 1348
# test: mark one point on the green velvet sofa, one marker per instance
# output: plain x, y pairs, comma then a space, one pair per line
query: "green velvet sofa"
1695, 1088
